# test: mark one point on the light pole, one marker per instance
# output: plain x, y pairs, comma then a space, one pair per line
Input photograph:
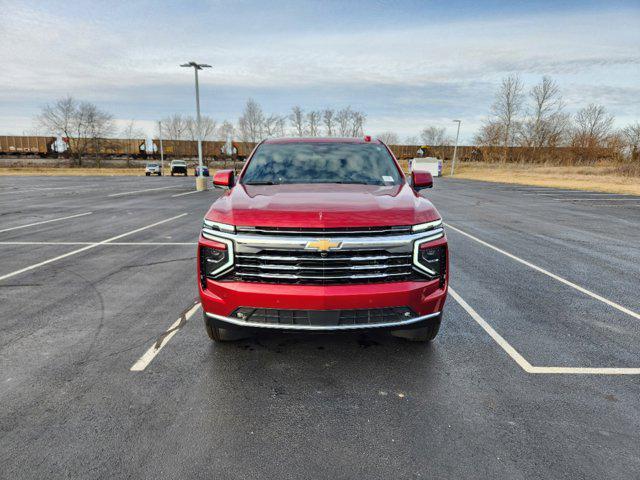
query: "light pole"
455, 148
161, 149
200, 181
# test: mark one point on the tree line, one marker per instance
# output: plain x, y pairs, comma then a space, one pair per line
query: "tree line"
536, 119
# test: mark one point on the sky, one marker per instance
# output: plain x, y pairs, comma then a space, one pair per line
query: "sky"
406, 64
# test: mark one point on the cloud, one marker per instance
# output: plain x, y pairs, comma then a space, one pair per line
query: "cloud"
417, 69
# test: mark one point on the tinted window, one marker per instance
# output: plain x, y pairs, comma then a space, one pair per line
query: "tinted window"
368, 163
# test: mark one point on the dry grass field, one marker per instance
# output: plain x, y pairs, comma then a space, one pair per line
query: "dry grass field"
624, 179
70, 171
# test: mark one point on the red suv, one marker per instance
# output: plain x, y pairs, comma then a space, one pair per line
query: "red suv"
322, 235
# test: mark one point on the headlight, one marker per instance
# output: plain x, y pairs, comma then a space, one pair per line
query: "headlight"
421, 227
216, 259
223, 227
431, 261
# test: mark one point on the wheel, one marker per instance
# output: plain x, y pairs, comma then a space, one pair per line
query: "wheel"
172, 174
218, 334
147, 173
423, 334
159, 174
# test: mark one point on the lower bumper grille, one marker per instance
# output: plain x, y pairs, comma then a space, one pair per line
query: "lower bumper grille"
327, 268
371, 316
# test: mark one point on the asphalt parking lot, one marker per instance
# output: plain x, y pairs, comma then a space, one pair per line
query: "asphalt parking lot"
535, 374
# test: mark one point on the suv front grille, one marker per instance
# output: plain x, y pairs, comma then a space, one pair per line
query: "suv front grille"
326, 268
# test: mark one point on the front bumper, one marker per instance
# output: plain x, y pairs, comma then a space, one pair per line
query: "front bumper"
223, 299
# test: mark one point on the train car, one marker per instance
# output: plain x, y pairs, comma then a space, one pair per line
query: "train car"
22, 145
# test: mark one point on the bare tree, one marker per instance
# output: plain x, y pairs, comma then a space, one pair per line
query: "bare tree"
273, 126
313, 123
131, 132
281, 126
296, 117
546, 123
328, 118
411, 140
631, 136
357, 124
99, 126
59, 118
490, 135
83, 124
435, 136
592, 126
343, 121
208, 127
507, 106
251, 123
390, 138
174, 127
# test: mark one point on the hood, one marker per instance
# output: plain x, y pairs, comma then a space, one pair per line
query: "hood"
322, 206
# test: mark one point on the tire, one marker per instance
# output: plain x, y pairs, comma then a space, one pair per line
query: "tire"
222, 335
172, 174
423, 334
147, 174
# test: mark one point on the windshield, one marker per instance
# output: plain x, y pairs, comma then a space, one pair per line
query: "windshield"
179, 162
367, 163
152, 165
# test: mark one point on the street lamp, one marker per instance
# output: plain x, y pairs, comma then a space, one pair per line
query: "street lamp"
455, 148
200, 181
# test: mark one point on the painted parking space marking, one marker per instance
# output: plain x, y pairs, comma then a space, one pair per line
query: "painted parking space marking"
560, 279
148, 356
28, 190
133, 192
117, 244
523, 363
87, 247
189, 193
46, 221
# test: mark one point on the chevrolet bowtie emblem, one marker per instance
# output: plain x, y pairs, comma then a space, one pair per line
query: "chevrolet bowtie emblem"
322, 245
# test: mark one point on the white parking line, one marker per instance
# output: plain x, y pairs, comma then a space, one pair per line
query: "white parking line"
550, 274
144, 361
523, 363
85, 248
141, 191
20, 190
46, 221
189, 193
599, 199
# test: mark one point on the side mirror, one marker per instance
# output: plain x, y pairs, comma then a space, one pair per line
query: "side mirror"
422, 180
224, 179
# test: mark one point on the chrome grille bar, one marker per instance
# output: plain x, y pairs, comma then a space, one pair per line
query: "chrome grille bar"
288, 276
329, 268
276, 258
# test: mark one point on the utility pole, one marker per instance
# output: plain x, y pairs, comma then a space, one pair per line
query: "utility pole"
455, 148
200, 181
161, 149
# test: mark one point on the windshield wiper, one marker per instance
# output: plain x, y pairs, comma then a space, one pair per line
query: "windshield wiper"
355, 183
258, 183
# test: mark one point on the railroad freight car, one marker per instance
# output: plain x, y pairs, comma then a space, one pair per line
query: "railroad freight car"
21, 145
